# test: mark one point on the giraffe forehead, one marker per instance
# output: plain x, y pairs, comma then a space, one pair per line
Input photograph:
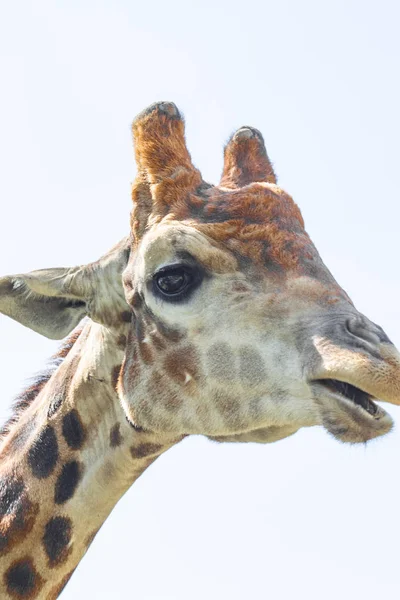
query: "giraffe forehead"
259, 222
257, 203
263, 224
171, 240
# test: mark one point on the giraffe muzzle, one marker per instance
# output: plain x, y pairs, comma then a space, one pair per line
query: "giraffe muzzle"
371, 368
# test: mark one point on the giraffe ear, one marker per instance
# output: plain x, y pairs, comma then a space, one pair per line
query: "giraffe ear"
53, 301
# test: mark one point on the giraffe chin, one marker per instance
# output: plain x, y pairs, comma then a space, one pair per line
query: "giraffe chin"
347, 418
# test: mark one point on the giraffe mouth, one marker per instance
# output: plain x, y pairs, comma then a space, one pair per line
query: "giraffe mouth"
354, 394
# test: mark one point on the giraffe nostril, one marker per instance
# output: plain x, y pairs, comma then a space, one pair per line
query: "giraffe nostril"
364, 330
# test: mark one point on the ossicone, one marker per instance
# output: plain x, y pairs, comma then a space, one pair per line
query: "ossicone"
246, 160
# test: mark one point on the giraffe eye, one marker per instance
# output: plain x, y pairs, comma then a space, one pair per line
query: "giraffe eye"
175, 282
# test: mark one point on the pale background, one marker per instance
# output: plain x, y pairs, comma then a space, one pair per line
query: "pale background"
306, 518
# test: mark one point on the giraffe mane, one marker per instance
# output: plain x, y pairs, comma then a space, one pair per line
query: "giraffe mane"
37, 382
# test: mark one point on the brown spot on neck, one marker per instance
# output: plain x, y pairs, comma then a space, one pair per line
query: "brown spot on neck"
115, 376
73, 430
17, 513
126, 316
67, 481
43, 454
121, 341
22, 580
115, 436
56, 540
145, 450
61, 384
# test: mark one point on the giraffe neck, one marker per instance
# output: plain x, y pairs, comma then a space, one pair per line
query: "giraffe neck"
64, 465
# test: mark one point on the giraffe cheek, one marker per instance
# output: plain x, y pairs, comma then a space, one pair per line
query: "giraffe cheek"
183, 366
221, 362
252, 369
167, 396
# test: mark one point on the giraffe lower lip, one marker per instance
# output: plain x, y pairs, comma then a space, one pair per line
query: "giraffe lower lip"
352, 393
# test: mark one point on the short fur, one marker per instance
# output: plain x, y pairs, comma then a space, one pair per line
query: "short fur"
261, 342
27, 396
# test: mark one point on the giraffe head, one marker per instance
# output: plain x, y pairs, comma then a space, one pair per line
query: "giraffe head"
240, 331
231, 324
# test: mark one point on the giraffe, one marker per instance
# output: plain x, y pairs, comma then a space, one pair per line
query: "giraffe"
215, 316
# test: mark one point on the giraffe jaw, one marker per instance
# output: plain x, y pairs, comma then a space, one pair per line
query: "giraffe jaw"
348, 413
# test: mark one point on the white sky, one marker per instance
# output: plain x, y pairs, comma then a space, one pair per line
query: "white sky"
306, 518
